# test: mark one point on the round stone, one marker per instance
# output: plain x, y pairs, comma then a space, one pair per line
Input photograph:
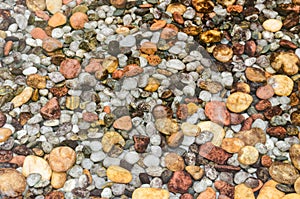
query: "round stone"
238, 102
78, 19
58, 179
146, 193
223, 53
174, 162
282, 84
248, 155
295, 155
62, 158
70, 68
272, 25
232, 145
12, 183
283, 172
35, 164
118, 174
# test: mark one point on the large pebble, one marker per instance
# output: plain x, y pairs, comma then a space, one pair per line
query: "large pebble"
282, 84
241, 191
283, 172
35, 5
53, 6
36, 81
12, 183
23, 97
110, 139
272, 25
295, 155
217, 112
238, 102
70, 68
58, 179
248, 155
78, 19
232, 145
180, 182
190, 129
150, 193
291, 196
174, 162
123, 123
214, 153
35, 164
51, 110
214, 128
118, 174
50, 44
252, 136
57, 19
5, 133
62, 158
269, 191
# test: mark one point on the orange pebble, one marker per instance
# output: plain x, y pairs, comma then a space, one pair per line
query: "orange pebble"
118, 74
78, 19
106, 109
19, 160
42, 14
7, 47
38, 33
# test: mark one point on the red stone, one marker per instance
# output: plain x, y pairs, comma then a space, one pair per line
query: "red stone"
227, 168
182, 111
141, 143
180, 182
263, 105
277, 131
217, 112
224, 188
51, 110
89, 117
70, 68
273, 111
214, 153
247, 124
187, 196
250, 48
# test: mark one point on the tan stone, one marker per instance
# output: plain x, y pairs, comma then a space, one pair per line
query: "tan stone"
248, 155
36, 81
175, 139
110, 139
12, 183
150, 193
189, 129
241, 191
35, 5
152, 85
282, 84
35, 164
291, 196
195, 171
58, 19
297, 185
166, 126
223, 53
62, 158
58, 180
211, 36
209, 193
232, 145
238, 102
252, 136
226, 2
215, 128
72, 102
295, 155
53, 6
174, 162
269, 191
78, 19
176, 7
23, 97
123, 123
110, 64
283, 172
272, 25
288, 61
118, 174
5, 133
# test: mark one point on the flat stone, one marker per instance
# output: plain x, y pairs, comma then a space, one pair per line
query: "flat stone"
283, 172
5, 133
35, 5
214, 153
38, 33
241, 191
58, 19
23, 97
118, 174
12, 183
148, 193
272, 25
62, 159
175, 64
53, 6
50, 44
180, 182
35, 164
72, 102
51, 110
238, 102
214, 128
217, 112
123, 123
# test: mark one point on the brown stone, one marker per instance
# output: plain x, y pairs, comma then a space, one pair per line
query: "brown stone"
2, 119
178, 17
7, 48
141, 143
224, 188
78, 19
70, 68
169, 31
180, 182
217, 112
94, 65
12, 183
283, 172
223, 53
255, 74
227, 168
50, 44
252, 136
36, 81
294, 99
214, 153
123, 123
209, 193
295, 117
211, 36
203, 6
269, 191
238, 49
232, 145
182, 111
89, 117
118, 3
58, 19
59, 91
5, 156
18, 160
266, 161
265, 92
273, 111
175, 139
295, 155
174, 162
248, 155
240, 87
176, 7
242, 191
186, 196
277, 131
288, 61
58, 179
247, 124
287, 44
51, 110
250, 48
234, 8
55, 195
263, 105
148, 48
157, 25
236, 118
153, 60
62, 158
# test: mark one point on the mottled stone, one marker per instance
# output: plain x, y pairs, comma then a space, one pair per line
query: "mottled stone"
180, 182
252, 136
12, 183
62, 159
123, 123
23, 97
238, 102
214, 153
241, 191
118, 174
283, 172
70, 68
141, 143
174, 162
217, 112
51, 110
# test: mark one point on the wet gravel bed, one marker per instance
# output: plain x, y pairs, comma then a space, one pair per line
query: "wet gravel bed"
149, 99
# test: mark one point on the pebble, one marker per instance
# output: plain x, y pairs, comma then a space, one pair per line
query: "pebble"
241, 191
265, 92
35, 164
209, 193
291, 196
272, 25
51, 110
23, 97
269, 191
58, 179
223, 53
294, 155
53, 6
283, 172
214, 153
217, 112
35, 5
282, 84
12, 183
5, 133
62, 159
141, 143
175, 64
58, 19
190, 129
147, 193
232, 145
51, 44
180, 182
110, 139
238, 102
70, 68
248, 155
217, 131
174, 162
252, 136
297, 185
38, 33
195, 171
118, 174
33, 179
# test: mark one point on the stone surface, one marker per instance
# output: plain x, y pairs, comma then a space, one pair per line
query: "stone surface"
282, 84
35, 164
269, 191
252, 136
118, 174
62, 158
38, 33
36, 81
248, 155
195, 171
12, 183
217, 112
241, 191
238, 102
224, 188
50, 44
77, 20
58, 19
283, 172
150, 193
180, 182
70, 68
232, 145
174, 162
295, 155
58, 179
23, 97
35, 5
110, 139
214, 128
123, 123
141, 143
287, 61
214, 153
272, 25
5, 133
51, 110
53, 6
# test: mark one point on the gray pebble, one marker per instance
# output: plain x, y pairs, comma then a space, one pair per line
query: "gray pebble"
75, 171
33, 178
240, 177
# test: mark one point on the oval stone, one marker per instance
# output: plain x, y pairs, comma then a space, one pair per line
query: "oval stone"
295, 155
148, 193
12, 183
118, 174
283, 172
35, 164
62, 158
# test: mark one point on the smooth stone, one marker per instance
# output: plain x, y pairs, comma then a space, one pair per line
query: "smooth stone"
189, 129
23, 97
33, 179
53, 6
291, 196
5, 133
150, 193
272, 25
62, 159
283, 172
282, 84
295, 155
241, 191
214, 128
118, 174
58, 180
35, 164
269, 191
12, 183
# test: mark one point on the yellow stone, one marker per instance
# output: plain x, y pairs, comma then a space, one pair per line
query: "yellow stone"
269, 191
238, 102
241, 191
174, 162
291, 196
282, 84
57, 19
23, 97
232, 145
110, 64
272, 25
189, 129
72, 102
192, 108
211, 36
150, 193
195, 171
5, 133
248, 155
58, 180
152, 85
110, 139
166, 126
176, 7
295, 155
297, 186
35, 164
215, 128
118, 174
